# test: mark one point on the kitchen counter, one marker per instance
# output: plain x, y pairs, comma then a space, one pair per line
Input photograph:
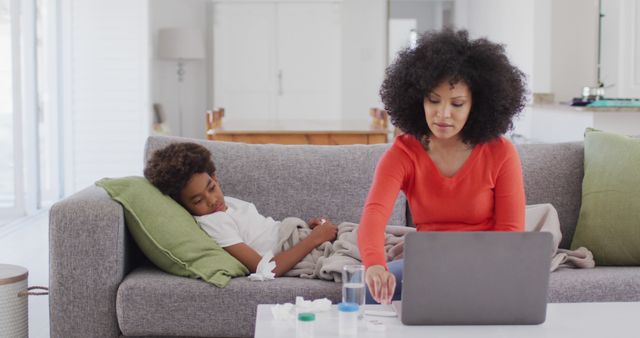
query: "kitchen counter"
550, 123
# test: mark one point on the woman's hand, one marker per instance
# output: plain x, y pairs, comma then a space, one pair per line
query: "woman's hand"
381, 283
323, 230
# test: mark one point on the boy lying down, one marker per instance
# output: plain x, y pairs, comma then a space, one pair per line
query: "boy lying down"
314, 249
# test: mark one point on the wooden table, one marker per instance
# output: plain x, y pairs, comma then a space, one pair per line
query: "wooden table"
299, 132
564, 320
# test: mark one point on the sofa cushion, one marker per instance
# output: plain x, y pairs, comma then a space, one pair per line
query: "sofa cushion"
609, 223
151, 302
296, 180
602, 284
168, 235
186, 307
553, 174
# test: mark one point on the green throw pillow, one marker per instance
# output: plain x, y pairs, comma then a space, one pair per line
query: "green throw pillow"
609, 222
168, 235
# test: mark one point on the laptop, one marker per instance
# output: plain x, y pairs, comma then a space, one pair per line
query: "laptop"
475, 278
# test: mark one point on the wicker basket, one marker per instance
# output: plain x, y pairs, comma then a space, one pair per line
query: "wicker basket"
13, 302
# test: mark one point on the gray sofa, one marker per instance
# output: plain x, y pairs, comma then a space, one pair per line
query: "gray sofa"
102, 286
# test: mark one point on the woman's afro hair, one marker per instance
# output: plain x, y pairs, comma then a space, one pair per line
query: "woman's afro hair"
171, 167
497, 87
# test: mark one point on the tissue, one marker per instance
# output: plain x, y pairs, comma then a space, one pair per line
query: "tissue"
264, 269
317, 305
283, 311
288, 311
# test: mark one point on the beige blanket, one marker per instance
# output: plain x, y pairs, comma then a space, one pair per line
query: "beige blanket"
326, 261
544, 217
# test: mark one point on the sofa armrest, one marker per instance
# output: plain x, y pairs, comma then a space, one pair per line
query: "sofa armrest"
88, 258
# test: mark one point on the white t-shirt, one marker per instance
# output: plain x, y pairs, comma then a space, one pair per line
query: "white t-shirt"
241, 223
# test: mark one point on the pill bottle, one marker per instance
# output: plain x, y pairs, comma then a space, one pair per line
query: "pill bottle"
305, 325
348, 319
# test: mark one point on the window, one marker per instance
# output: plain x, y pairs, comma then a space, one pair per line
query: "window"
29, 169
8, 145
74, 94
47, 104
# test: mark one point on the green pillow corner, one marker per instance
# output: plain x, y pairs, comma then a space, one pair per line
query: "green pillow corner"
168, 235
609, 221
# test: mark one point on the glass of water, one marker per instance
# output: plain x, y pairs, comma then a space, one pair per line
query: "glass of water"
353, 285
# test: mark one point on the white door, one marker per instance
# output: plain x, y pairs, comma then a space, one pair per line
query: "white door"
244, 60
277, 60
309, 61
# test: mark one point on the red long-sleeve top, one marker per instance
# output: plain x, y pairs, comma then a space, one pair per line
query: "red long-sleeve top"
485, 194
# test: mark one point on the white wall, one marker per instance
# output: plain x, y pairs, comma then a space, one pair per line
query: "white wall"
428, 15
553, 42
364, 56
620, 52
106, 108
164, 80
509, 22
556, 42
629, 52
573, 47
541, 47
364, 49
610, 46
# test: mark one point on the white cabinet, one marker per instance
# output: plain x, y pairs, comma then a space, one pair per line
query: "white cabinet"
277, 60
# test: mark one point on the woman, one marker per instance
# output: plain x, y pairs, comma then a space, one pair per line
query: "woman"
454, 98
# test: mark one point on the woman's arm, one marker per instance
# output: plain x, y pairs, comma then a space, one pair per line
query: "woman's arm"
285, 260
391, 171
509, 194
387, 182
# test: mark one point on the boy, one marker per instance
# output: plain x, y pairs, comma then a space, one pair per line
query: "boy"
186, 173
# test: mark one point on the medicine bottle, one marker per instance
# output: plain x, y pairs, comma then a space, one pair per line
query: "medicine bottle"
305, 325
348, 319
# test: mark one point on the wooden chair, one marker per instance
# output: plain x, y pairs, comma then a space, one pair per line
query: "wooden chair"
213, 121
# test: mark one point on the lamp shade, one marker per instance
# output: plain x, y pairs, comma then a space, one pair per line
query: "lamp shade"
180, 43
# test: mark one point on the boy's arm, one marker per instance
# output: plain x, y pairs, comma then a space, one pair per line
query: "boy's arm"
285, 260
245, 254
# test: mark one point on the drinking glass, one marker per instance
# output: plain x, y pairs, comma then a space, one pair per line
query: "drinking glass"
353, 285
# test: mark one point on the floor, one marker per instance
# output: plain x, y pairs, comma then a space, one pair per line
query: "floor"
26, 243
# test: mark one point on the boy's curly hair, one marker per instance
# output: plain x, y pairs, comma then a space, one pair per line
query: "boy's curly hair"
497, 87
171, 167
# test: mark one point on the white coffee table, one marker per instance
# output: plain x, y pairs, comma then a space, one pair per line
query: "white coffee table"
564, 320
